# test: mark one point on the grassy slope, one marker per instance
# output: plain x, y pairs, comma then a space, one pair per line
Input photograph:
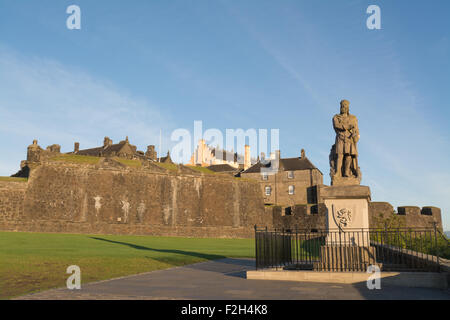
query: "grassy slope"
32, 262
75, 158
201, 169
129, 163
13, 179
167, 166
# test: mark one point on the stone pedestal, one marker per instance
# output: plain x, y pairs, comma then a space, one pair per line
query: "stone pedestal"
347, 214
345, 181
347, 246
345, 258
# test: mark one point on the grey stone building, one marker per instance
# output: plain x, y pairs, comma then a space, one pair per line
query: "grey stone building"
294, 182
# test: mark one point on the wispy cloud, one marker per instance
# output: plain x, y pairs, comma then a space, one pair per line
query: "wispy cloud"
401, 151
272, 50
54, 103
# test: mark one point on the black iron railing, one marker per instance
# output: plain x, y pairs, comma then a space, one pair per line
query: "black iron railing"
347, 250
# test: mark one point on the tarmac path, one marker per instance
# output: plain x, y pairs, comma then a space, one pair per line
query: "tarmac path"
223, 280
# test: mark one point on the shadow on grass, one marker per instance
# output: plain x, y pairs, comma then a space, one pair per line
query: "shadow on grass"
311, 247
174, 251
234, 267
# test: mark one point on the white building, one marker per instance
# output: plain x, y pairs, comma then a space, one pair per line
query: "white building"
206, 156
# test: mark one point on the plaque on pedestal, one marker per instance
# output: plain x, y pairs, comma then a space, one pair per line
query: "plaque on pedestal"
347, 214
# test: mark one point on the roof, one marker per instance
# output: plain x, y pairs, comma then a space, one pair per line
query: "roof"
225, 155
101, 150
166, 159
222, 168
287, 164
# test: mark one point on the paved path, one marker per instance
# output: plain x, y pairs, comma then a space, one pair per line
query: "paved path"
225, 279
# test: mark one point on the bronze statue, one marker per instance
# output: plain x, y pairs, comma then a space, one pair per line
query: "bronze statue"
344, 167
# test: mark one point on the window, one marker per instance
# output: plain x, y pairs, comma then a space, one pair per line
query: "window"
290, 174
268, 191
264, 176
291, 189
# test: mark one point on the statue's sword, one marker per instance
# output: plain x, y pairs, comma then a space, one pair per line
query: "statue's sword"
355, 158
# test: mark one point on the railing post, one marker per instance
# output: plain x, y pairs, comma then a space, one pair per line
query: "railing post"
436, 245
256, 249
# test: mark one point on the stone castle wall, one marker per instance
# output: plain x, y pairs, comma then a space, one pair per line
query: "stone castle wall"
302, 217
382, 213
87, 199
110, 199
12, 195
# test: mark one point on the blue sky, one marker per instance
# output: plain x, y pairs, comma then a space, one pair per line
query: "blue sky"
139, 67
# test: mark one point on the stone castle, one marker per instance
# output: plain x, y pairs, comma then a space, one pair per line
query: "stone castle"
116, 189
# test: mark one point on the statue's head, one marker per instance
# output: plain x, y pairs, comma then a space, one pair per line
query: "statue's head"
345, 107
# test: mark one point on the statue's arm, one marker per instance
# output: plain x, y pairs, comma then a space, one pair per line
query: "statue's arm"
356, 131
337, 124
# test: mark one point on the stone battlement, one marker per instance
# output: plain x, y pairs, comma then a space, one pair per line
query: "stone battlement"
381, 213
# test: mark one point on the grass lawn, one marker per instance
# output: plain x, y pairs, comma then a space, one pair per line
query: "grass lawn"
31, 262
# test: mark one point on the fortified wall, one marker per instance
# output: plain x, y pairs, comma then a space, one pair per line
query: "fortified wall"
110, 198
12, 195
381, 215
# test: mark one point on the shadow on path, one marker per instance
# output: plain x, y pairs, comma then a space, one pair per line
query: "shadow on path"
234, 267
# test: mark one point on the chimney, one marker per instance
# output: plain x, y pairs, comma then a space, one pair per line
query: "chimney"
277, 154
302, 153
263, 156
151, 153
247, 161
107, 142
76, 147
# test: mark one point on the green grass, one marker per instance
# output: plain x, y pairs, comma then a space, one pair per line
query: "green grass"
416, 241
129, 163
31, 262
13, 179
201, 169
167, 166
75, 158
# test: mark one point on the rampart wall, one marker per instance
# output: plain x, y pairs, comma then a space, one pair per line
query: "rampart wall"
110, 198
91, 199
